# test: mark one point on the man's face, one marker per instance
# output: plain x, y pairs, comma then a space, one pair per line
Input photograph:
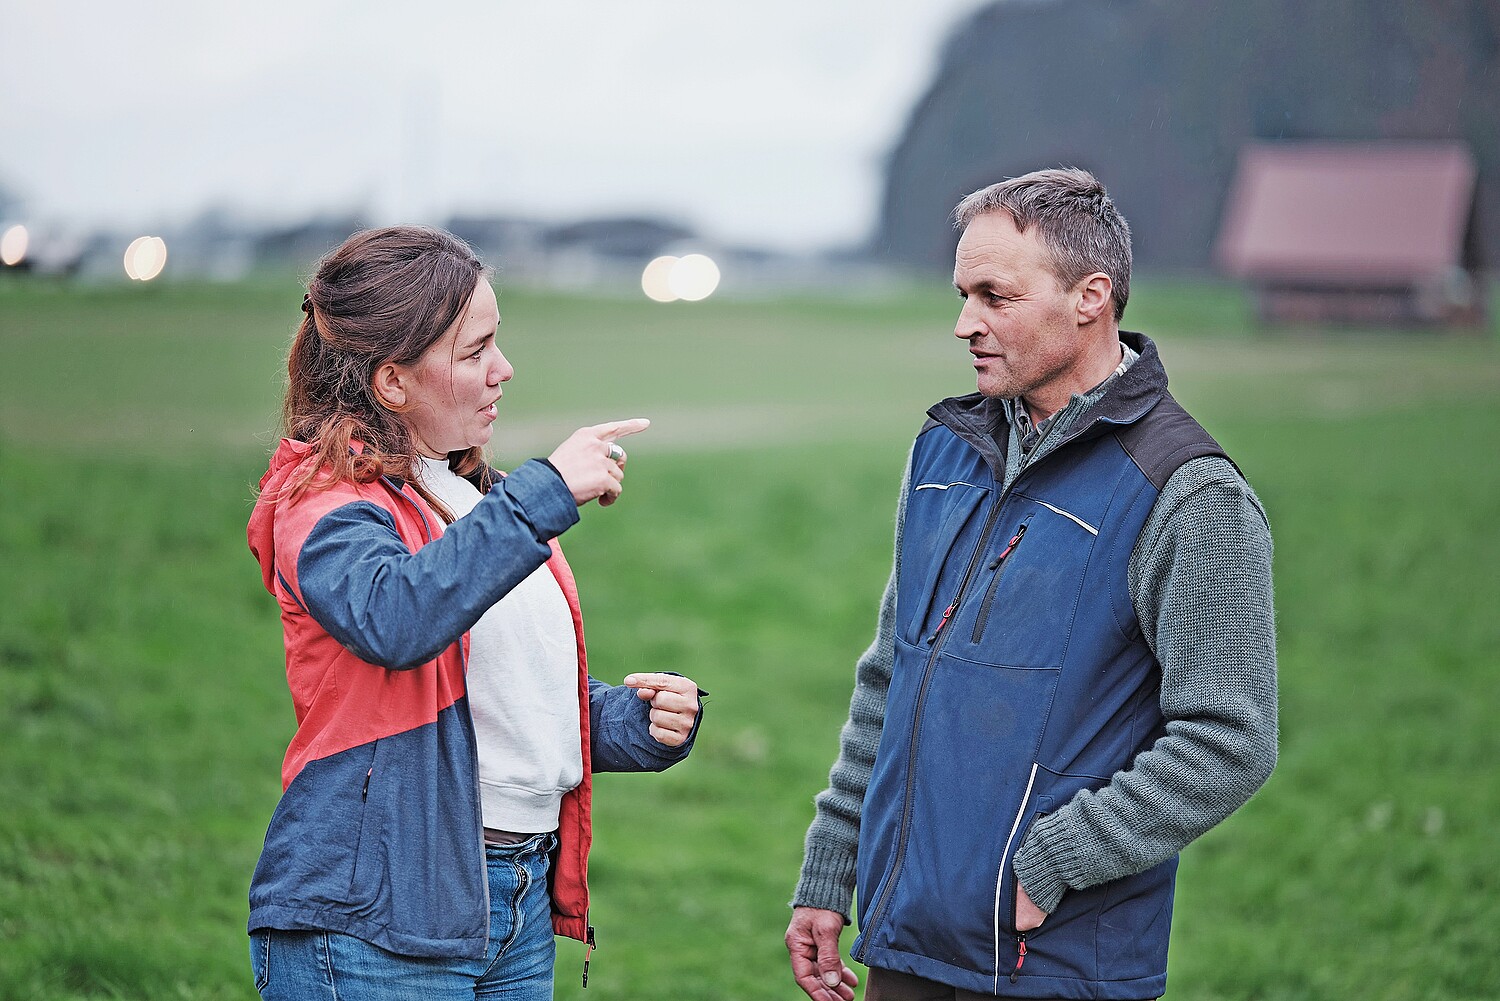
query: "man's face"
1021, 324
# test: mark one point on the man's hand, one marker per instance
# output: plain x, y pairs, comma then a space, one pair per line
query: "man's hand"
1028, 915
674, 705
812, 939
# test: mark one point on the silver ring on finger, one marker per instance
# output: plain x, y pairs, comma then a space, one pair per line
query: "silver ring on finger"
616, 453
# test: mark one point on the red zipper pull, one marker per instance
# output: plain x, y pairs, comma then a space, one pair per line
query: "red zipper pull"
947, 613
1020, 955
1009, 547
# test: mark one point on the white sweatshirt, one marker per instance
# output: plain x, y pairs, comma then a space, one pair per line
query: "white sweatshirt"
523, 688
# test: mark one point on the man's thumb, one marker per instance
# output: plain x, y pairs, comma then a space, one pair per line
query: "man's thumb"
831, 977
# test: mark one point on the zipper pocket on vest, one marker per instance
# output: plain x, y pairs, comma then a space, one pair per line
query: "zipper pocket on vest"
963, 584
998, 565
1000, 879
1020, 956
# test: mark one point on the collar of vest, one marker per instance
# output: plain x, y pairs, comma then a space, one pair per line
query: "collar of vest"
978, 419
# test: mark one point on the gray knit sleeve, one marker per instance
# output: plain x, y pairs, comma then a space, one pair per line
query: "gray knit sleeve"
827, 877
1200, 580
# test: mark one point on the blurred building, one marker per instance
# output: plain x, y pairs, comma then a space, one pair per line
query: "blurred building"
298, 247
1366, 233
1158, 98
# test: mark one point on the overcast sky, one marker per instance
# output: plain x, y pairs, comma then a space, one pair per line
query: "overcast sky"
763, 122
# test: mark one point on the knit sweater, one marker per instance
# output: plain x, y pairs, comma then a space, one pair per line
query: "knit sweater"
1200, 582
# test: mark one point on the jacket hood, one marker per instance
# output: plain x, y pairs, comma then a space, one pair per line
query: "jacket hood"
290, 458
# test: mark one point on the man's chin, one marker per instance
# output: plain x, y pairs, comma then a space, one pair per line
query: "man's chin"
994, 390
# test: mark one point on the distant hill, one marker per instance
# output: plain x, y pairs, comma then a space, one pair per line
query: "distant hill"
1157, 96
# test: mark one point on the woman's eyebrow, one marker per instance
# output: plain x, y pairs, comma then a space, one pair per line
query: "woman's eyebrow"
479, 339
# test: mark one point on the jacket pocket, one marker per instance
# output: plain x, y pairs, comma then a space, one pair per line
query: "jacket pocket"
368, 870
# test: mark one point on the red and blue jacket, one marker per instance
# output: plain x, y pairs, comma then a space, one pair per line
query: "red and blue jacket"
378, 831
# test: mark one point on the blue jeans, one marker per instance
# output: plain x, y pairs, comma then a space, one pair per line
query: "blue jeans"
517, 966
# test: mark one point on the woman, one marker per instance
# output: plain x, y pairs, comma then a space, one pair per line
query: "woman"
435, 801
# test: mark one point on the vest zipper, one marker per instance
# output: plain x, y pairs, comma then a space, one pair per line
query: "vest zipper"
916, 724
983, 618
1020, 956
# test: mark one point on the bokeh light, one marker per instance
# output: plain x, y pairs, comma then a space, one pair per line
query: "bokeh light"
656, 279
694, 277
13, 245
691, 278
145, 258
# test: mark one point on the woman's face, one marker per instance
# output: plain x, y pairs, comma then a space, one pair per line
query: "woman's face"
452, 389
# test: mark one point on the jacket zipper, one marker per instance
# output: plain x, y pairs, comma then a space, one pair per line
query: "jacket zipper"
916, 725
998, 566
588, 950
1000, 881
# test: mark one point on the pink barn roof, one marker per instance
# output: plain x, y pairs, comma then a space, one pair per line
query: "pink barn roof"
1354, 214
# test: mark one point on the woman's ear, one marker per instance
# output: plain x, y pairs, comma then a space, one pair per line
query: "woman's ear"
389, 385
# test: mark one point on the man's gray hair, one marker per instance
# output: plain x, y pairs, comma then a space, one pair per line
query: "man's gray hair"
1075, 217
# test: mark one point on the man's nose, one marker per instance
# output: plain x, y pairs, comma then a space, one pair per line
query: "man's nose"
969, 324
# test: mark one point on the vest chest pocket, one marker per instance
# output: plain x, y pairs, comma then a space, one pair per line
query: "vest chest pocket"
941, 529
1020, 608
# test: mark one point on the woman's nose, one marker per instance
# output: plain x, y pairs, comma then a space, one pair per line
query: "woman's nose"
502, 372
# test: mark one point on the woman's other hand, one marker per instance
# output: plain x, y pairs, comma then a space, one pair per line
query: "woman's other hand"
590, 462
674, 705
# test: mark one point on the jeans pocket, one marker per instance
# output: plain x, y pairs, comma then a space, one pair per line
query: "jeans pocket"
260, 959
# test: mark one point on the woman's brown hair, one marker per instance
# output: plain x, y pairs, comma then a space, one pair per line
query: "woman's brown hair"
385, 295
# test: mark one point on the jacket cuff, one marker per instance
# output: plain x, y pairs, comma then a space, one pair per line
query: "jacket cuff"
543, 497
1045, 864
827, 880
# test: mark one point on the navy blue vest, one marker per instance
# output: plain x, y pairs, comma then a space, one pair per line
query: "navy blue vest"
1021, 678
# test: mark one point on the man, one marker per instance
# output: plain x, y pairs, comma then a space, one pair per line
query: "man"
1074, 671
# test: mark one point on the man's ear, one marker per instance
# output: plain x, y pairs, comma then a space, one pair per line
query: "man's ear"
389, 385
1094, 297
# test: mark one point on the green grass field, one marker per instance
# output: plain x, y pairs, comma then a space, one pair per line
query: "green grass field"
144, 712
